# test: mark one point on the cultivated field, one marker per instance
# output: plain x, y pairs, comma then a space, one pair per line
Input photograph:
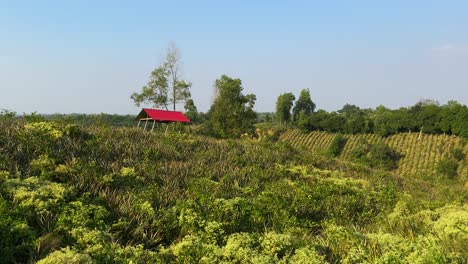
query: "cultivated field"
420, 152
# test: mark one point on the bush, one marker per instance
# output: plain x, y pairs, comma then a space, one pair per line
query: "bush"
378, 155
458, 154
337, 145
447, 167
66, 256
384, 157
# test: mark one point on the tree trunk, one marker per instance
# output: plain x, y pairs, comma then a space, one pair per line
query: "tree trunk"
173, 97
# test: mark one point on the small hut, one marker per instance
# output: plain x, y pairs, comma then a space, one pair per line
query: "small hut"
160, 116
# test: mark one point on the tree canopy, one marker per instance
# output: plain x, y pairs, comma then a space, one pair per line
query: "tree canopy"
284, 104
165, 86
232, 112
304, 104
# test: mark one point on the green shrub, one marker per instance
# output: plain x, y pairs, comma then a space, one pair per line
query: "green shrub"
378, 155
458, 154
16, 237
447, 167
337, 145
68, 256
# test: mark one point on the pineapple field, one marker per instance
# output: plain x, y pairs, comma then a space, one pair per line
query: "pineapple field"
420, 153
98, 194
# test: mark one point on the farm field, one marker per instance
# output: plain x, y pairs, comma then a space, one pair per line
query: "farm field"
420, 152
123, 195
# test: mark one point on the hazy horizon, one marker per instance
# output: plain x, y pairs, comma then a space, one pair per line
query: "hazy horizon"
89, 57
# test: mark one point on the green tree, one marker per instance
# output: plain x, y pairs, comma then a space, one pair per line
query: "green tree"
385, 121
191, 111
283, 107
426, 115
304, 104
165, 86
302, 111
355, 119
453, 118
448, 114
232, 112
332, 122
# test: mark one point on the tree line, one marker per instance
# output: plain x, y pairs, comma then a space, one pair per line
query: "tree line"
426, 116
232, 113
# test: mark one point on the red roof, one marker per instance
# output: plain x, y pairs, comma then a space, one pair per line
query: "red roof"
163, 115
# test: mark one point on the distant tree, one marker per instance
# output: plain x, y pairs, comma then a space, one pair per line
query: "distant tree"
448, 116
460, 125
165, 86
425, 115
452, 119
334, 122
355, 119
232, 112
318, 120
284, 104
350, 110
303, 104
385, 121
191, 111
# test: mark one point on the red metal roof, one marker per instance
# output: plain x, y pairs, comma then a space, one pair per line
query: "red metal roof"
163, 115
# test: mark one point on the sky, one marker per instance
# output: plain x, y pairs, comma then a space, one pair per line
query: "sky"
90, 56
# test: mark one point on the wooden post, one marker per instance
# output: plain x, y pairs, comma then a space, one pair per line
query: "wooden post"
154, 122
146, 123
167, 127
138, 126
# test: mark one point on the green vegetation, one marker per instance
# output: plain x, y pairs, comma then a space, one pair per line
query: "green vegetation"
283, 107
337, 145
426, 116
447, 167
378, 155
84, 194
165, 86
231, 114
419, 153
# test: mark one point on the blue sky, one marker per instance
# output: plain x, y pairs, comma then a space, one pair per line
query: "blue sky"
90, 56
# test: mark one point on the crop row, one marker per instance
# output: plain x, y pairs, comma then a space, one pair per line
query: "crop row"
420, 152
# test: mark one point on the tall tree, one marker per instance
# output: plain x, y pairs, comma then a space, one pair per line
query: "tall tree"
283, 107
232, 112
303, 104
426, 116
165, 86
191, 111
355, 119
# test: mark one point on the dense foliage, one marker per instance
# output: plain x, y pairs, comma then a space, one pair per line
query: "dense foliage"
426, 116
337, 145
284, 105
231, 114
378, 155
121, 195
